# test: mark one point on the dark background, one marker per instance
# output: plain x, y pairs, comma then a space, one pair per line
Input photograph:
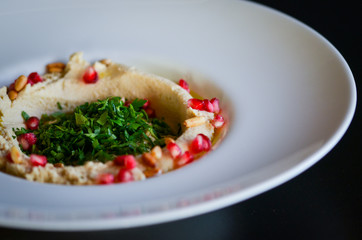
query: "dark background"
324, 202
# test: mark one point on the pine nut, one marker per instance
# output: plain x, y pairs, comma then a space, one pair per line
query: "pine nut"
55, 70
194, 122
149, 160
169, 140
13, 95
156, 152
58, 165
106, 62
55, 67
56, 64
150, 172
15, 155
20, 83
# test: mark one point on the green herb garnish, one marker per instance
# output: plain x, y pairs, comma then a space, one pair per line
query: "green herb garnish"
97, 131
59, 106
25, 115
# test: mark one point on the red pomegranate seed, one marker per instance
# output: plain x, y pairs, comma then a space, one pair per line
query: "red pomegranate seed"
38, 160
174, 150
218, 121
127, 161
27, 140
105, 178
127, 103
185, 158
32, 123
124, 176
8, 157
208, 106
197, 144
200, 143
34, 77
90, 75
184, 85
23, 143
206, 143
195, 103
216, 104
150, 112
147, 104
11, 87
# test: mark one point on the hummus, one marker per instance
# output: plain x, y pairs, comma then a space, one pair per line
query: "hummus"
169, 100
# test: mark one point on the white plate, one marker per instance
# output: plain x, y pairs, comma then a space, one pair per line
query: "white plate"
288, 93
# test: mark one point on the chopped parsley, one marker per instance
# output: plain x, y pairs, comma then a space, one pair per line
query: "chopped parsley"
97, 131
25, 115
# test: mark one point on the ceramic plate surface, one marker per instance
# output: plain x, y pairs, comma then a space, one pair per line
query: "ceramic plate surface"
287, 93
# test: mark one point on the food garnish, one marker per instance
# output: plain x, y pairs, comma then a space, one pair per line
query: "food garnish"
108, 132
94, 131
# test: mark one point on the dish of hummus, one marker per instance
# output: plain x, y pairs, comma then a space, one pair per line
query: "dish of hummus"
33, 103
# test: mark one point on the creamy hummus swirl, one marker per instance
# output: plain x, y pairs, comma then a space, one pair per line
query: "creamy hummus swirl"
168, 99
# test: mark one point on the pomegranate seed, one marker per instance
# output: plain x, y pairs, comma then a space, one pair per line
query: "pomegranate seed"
38, 160
184, 85
11, 87
27, 140
124, 176
208, 106
185, 158
32, 123
196, 144
8, 157
23, 142
147, 104
216, 103
127, 103
174, 150
105, 178
90, 75
195, 103
119, 160
150, 112
34, 78
218, 121
127, 161
206, 143
200, 143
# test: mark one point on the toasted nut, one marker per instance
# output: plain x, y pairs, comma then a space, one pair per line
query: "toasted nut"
15, 155
55, 67
149, 160
151, 172
20, 83
194, 122
156, 152
12, 95
106, 61
56, 64
58, 165
169, 140
55, 70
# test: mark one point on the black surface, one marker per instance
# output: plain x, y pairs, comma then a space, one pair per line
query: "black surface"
322, 203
